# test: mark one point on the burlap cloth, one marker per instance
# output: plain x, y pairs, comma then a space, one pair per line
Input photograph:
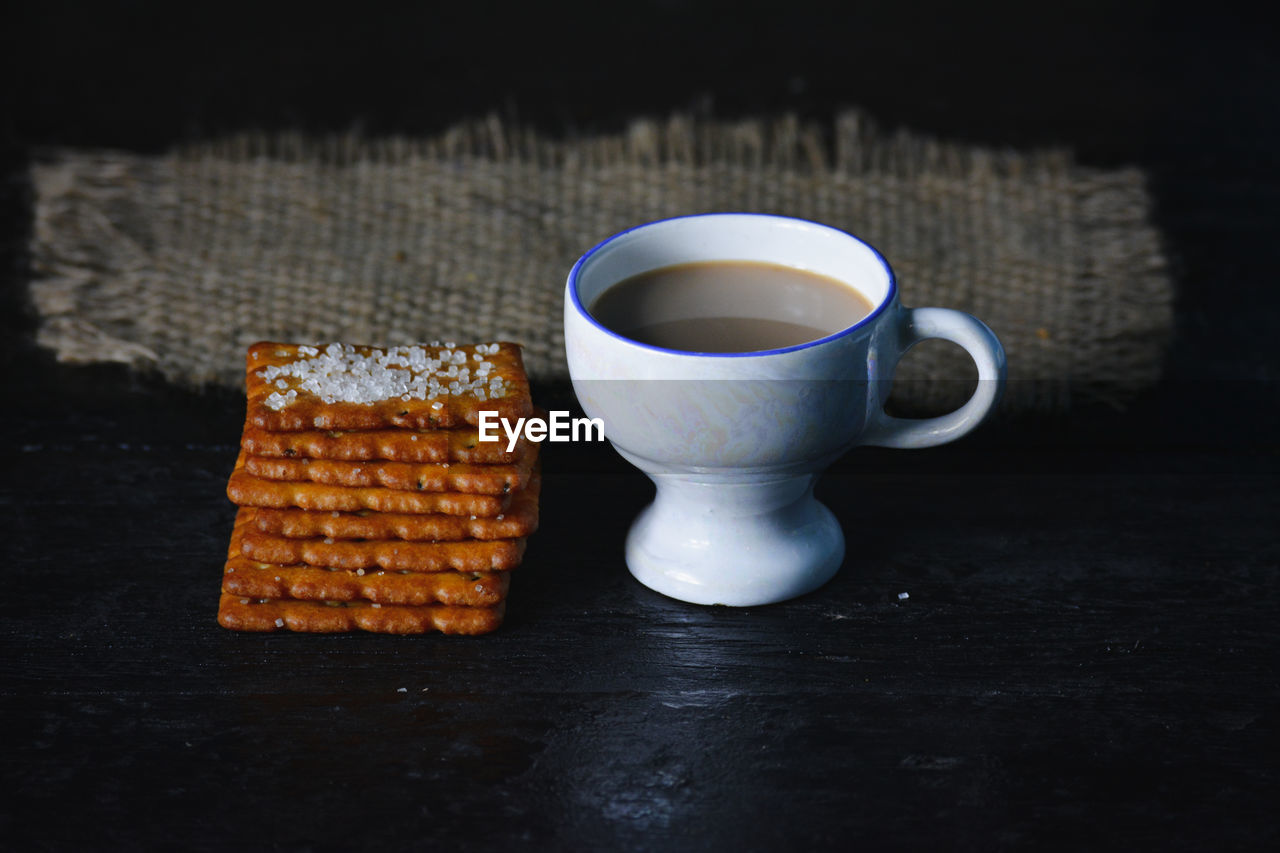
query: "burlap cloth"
178, 262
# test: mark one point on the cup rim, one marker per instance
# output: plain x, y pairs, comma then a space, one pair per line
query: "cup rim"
890, 293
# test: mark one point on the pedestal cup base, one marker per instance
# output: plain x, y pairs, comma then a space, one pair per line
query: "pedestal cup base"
740, 545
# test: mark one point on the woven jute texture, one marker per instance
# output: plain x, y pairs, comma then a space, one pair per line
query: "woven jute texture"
178, 262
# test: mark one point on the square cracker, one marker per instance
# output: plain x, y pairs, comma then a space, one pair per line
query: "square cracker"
251, 579
468, 555
240, 613
340, 386
519, 520
395, 445
425, 476
244, 489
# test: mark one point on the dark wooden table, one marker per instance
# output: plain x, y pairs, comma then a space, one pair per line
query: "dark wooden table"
1086, 656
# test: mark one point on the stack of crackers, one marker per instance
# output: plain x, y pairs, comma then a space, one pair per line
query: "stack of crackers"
367, 499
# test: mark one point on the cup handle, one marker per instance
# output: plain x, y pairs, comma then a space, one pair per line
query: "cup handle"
980, 342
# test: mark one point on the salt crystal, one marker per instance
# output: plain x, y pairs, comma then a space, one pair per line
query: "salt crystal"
339, 373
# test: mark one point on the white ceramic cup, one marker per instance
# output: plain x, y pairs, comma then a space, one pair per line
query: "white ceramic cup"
735, 441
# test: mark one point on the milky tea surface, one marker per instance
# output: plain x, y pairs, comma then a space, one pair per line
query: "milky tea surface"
729, 306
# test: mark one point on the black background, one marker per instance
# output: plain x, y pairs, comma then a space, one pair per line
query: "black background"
1086, 659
